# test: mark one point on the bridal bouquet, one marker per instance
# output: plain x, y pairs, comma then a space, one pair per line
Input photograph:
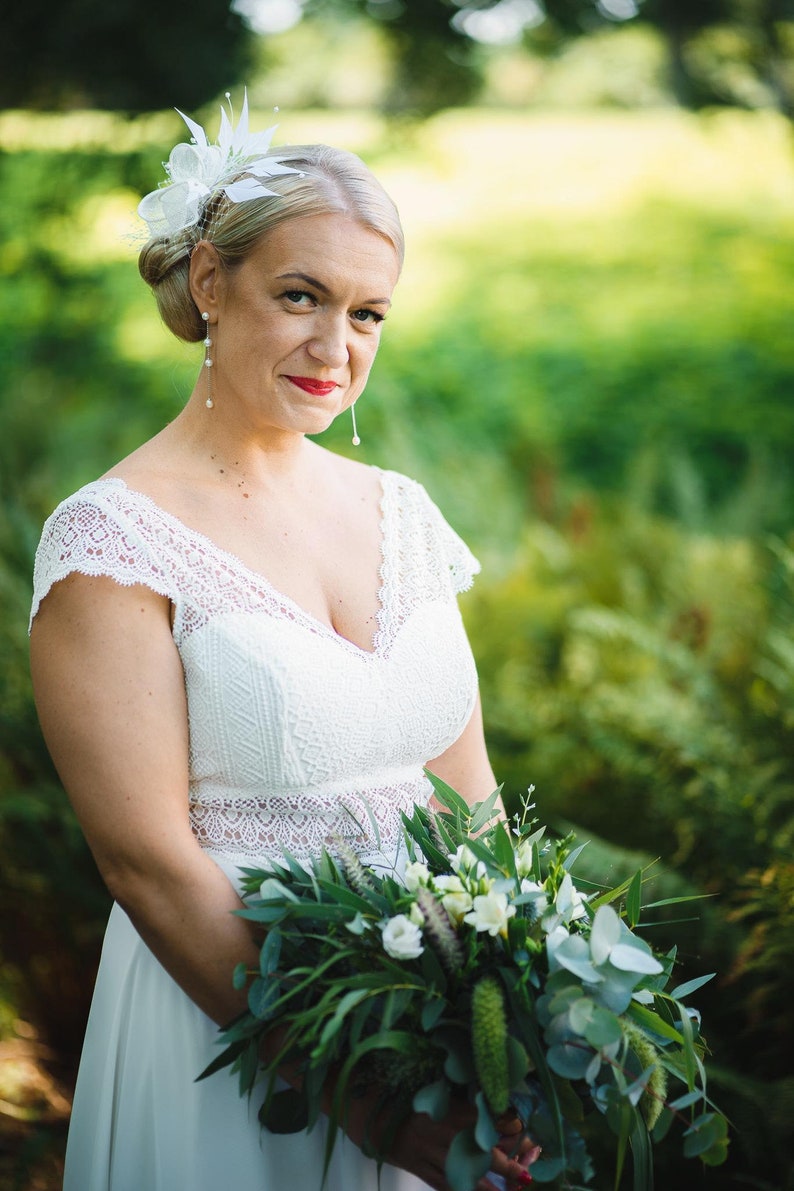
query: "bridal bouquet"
481, 973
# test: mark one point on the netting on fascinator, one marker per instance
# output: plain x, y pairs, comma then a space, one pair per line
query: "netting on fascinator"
198, 171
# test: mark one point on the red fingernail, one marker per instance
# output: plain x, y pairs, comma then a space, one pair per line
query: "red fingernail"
525, 1178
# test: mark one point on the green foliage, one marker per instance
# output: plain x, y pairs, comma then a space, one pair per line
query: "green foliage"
634, 650
123, 56
551, 1005
646, 684
718, 51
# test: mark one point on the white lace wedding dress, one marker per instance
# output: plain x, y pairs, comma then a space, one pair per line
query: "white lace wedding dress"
296, 737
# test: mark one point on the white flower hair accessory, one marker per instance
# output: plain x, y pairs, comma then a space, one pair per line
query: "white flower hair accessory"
198, 171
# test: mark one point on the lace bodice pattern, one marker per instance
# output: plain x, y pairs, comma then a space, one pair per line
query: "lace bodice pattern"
298, 737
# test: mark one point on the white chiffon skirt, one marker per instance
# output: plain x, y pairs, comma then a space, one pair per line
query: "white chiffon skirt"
141, 1122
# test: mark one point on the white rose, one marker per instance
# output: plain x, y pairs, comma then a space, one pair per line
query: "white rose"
402, 939
490, 913
416, 874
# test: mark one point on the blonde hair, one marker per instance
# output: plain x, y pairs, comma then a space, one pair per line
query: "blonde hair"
331, 181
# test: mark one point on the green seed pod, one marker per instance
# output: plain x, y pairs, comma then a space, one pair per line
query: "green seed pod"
653, 1098
489, 1043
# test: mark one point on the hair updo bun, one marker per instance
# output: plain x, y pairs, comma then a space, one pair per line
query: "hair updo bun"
330, 181
164, 264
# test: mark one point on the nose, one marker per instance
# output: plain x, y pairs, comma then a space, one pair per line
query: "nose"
329, 343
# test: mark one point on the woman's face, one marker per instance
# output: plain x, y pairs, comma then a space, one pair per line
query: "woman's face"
295, 328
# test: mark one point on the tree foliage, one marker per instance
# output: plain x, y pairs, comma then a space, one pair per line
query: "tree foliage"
144, 57
438, 58
638, 668
126, 55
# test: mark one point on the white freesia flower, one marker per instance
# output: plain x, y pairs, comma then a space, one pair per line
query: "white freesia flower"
464, 860
540, 902
490, 913
402, 939
456, 899
199, 170
568, 906
523, 854
416, 874
416, 916
554, 940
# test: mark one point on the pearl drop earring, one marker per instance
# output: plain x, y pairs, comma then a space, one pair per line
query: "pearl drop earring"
355, 440
208, 361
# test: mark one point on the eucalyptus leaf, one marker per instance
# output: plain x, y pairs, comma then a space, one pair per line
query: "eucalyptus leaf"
569, 1059
466, 1163
485, 1133
270, 953
262, 996
458, 1065
433, 1099
604, 1029
704, 1132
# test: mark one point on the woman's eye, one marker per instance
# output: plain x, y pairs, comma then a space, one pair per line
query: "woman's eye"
298, 297
372, 317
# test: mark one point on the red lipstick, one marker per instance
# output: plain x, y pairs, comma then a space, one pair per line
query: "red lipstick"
318, 388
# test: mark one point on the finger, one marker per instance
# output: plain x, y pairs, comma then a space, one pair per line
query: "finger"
512, 1171
508, 1121
526, 1153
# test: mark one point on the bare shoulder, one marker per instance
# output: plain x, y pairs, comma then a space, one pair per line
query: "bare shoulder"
361, 481
147, 468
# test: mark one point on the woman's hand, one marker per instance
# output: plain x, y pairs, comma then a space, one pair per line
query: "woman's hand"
514, 1143
421, 1145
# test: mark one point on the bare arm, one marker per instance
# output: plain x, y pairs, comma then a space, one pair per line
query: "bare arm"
109, 690
110, 693
465, 765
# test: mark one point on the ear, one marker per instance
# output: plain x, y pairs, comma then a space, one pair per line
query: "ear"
205, 278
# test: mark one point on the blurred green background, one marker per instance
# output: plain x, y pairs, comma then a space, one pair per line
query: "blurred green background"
590, 365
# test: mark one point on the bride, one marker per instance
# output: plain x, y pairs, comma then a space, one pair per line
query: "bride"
238, 638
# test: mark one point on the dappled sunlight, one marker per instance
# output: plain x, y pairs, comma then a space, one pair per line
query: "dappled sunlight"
589, 363
83, 129
102, 228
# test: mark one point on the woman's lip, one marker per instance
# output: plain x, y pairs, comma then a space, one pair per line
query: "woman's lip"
320, 388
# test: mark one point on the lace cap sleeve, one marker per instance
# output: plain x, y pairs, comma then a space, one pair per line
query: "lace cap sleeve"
89, 534
450, 549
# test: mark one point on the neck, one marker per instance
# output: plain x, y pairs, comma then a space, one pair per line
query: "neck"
211, 439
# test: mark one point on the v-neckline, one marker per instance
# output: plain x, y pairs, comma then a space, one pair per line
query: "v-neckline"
313, 623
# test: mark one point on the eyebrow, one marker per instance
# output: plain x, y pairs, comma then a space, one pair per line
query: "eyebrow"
325, 290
